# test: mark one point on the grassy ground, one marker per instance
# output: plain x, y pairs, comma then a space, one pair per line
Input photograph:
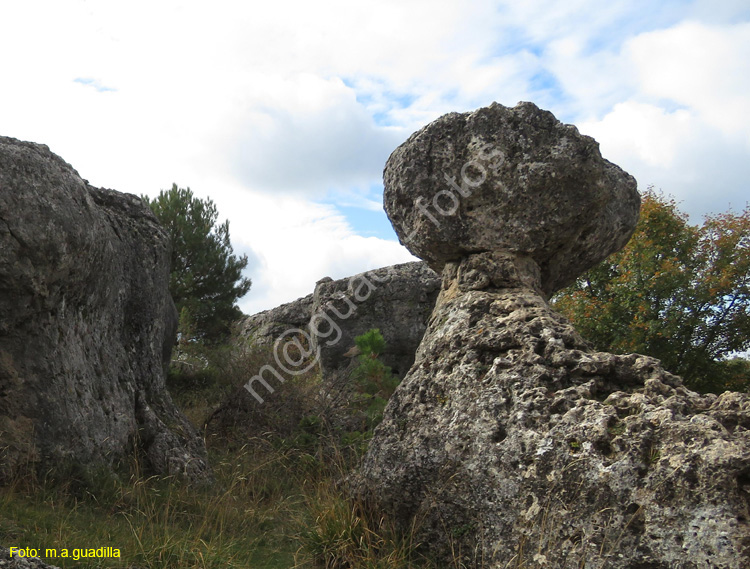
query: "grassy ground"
275, 503
250, 518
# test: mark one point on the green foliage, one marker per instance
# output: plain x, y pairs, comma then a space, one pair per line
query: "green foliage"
734, 374
677, 291
374, 379
206, 278
371, 343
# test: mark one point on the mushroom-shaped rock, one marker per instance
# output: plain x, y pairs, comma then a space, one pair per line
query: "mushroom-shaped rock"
511, 442
514, 180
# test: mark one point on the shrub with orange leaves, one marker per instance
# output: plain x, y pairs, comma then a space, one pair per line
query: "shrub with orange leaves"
677, 291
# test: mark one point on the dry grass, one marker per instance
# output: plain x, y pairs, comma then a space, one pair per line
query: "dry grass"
276, 502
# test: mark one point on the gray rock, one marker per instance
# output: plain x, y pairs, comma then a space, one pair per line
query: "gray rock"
513, 179
511, 443
398, 300
265, 327
510, 435
86, 325
17, 562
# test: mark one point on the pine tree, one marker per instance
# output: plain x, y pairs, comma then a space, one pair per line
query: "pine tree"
206, 276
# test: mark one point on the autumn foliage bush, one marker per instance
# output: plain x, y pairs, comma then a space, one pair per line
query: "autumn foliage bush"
679, 292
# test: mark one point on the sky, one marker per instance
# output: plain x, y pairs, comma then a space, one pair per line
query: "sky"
284, 113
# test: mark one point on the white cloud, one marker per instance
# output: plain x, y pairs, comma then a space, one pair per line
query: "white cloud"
704, 68
310, 135
642, 133
677, 152
294, 243
685, 126
273, 109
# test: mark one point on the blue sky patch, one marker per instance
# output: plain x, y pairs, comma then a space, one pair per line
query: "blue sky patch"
94, 84
364, 212
369, 223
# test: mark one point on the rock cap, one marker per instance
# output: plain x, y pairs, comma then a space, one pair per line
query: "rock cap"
509, 179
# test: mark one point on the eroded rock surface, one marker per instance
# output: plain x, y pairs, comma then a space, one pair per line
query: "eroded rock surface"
398, 303
512, 179
398, 300
265, 327
86, 325
511, 442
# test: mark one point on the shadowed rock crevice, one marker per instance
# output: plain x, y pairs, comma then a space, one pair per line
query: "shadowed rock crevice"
511, 442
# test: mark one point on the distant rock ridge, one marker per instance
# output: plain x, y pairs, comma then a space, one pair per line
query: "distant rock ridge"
263, 328
86, 326
511, 443
398, 302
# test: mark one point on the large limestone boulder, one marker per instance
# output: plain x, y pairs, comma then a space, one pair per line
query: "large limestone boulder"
86, 325
512, 179
511, 443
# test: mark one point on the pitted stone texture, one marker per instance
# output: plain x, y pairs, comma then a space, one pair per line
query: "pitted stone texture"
510, 443
513, 443
86, 325
509, 179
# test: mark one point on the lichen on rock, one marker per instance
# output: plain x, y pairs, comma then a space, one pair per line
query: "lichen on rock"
511, 442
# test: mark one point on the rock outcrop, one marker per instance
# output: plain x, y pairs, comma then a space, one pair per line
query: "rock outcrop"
398, 303
86, 325
520, 182
511, 443
265, 327
397, 299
